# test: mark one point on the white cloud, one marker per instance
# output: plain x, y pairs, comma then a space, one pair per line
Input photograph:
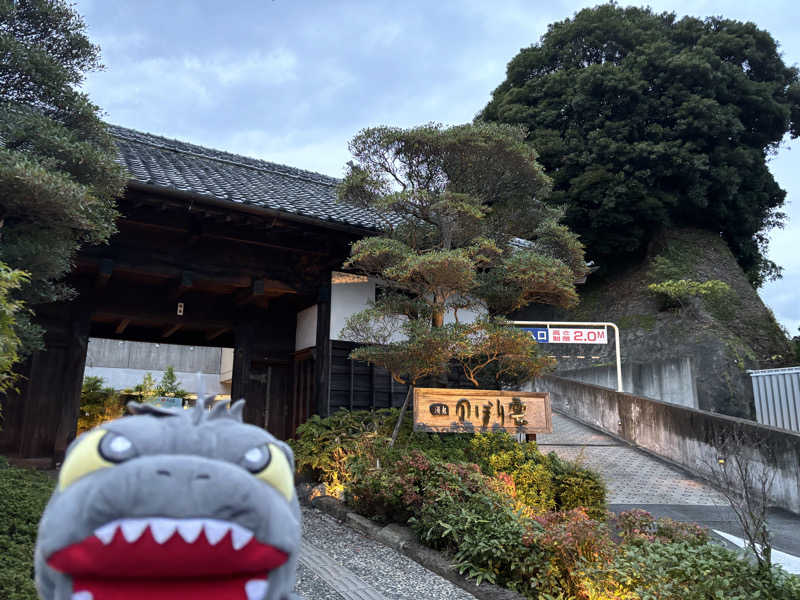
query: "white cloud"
274, 68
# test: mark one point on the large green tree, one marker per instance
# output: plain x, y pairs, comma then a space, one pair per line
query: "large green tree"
58, 175
645, 121
9, 313
465, 230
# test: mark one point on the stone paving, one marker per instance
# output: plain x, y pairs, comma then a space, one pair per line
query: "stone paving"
631, 476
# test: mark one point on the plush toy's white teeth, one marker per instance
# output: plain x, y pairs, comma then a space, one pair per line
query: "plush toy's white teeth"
133, 529
163, 530
106, 533
84, 596
190, 530
215, 531
240, 537
256, 589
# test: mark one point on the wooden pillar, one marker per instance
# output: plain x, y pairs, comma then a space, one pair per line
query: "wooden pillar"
12, 412
43, 416
322, 359
242, 362
261, 366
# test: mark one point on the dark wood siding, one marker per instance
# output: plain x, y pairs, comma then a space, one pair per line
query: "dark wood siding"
357, 385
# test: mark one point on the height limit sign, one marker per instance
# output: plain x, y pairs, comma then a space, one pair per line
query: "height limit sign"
568, 335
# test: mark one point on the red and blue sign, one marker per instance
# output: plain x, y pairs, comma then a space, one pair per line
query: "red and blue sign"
568, 335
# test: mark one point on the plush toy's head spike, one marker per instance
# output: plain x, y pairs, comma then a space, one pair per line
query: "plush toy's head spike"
199, 413
237, 409
220, 410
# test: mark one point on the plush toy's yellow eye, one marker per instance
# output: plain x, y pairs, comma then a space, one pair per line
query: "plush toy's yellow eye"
84, 458
270, 464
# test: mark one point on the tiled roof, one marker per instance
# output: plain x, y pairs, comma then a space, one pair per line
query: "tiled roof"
174, 165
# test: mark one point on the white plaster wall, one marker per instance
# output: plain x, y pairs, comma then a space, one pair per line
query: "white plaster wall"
306, 332
347, 299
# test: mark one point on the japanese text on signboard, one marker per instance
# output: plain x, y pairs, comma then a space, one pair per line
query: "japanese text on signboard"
568, 335
448, 410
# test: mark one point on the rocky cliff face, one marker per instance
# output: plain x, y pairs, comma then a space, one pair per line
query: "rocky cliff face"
724, 336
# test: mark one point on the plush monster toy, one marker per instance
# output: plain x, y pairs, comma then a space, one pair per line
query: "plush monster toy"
172, 504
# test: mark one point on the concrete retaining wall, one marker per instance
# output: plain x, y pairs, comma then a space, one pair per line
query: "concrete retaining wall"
678, 434
153, 357
670, 380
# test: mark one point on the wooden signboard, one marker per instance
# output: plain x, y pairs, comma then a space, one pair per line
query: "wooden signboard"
461, 411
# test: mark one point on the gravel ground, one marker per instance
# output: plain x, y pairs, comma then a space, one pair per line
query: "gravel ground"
312, 587
395, 576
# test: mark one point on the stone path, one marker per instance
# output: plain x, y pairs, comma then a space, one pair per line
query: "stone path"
338, 563
631, 476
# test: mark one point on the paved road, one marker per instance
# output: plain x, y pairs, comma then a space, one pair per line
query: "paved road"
631, 476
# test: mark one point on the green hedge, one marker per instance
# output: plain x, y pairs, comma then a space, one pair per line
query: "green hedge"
23, 495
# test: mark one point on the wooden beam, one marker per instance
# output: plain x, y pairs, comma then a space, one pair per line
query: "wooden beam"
104, 270
171, 329
183, 284
161, 271
156, 319
245, 296
212, 335
263, 244
261, 289
123, 324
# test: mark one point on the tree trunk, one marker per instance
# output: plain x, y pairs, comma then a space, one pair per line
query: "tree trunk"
396, 431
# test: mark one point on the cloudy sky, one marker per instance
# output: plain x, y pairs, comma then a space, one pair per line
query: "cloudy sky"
291, 81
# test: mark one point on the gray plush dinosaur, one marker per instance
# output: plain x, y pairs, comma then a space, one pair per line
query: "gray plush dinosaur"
169, 504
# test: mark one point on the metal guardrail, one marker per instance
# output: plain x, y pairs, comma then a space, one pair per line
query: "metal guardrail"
777, 397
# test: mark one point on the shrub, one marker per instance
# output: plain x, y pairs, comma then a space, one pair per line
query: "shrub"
535, 487
98, 404
473, 496
676, 293
23, 495
324, 445
482, 530
336, 447
401, 487
568, 540
684, 571
639, 525
577, 487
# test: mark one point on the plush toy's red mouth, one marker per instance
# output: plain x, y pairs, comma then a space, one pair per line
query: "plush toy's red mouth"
163, 559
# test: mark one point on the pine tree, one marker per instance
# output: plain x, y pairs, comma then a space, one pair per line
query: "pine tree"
466, 232
58, 175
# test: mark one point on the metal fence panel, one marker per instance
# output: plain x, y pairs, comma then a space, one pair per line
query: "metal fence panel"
777, 397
